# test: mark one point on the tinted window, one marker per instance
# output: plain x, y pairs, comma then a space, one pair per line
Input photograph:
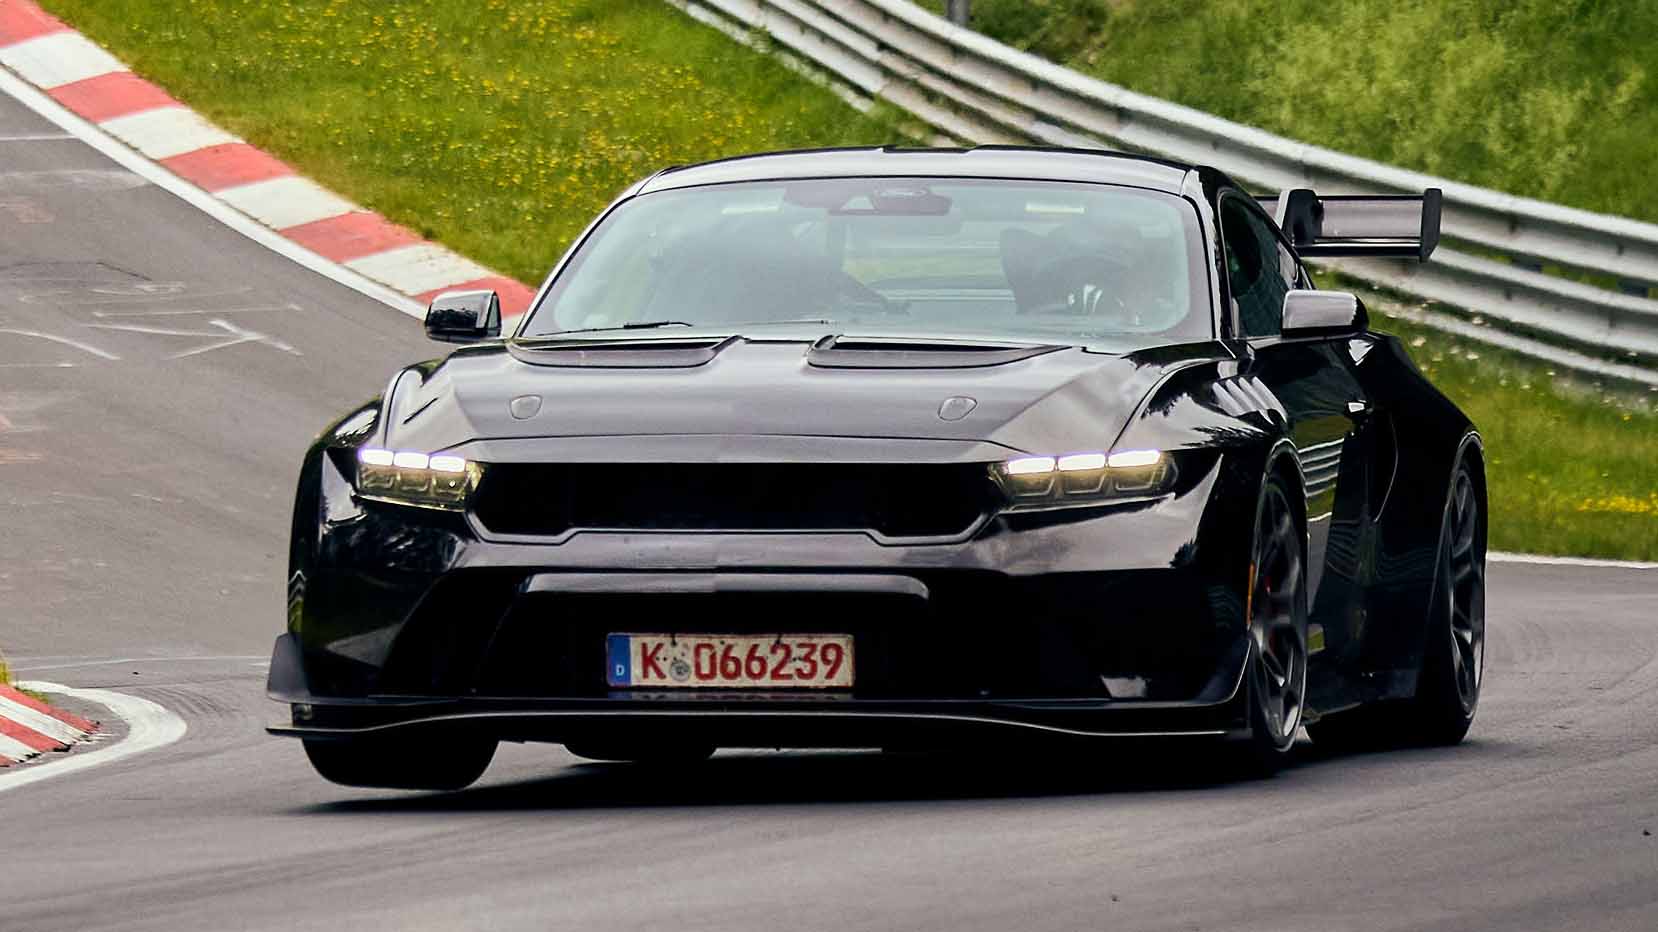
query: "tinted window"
1261, 271
1025, 260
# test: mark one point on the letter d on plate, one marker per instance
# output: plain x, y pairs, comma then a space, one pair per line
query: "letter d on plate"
619, 671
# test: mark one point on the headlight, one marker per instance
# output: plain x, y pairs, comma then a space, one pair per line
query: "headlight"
408, 478
1088, 478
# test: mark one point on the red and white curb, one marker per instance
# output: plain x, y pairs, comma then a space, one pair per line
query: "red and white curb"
29, 727
148, 727
95, 86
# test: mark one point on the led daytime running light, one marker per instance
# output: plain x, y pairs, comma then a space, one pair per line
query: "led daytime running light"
1079, 462
1031, 466
409, 477
1085, 478
1130, 459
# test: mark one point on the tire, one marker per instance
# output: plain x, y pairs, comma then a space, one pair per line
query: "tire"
642, 754
1452, 668
401, 764
1276, 677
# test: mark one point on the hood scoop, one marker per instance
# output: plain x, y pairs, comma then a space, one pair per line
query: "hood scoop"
621, 353
839, 352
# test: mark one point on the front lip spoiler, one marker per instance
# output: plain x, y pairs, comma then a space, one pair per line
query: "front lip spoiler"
811, 727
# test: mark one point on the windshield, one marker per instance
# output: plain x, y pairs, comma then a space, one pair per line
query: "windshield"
1018, 260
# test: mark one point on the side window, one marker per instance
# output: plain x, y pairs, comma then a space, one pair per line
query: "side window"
1259, 268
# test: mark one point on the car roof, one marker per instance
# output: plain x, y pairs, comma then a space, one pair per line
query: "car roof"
1021, 162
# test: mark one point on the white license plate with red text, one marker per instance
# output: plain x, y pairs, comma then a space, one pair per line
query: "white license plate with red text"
729, 661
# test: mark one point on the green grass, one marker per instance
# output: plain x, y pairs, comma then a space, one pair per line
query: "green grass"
499, 127
1542, 98
1572, 463
6, 680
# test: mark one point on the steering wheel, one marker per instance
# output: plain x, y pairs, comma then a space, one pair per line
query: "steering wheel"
1081, 290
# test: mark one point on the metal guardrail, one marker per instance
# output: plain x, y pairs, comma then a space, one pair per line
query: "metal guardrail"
971, 89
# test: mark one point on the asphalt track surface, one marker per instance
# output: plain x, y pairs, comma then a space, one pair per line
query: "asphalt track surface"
160, 377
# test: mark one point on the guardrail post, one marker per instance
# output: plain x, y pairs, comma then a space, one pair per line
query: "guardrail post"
957, 11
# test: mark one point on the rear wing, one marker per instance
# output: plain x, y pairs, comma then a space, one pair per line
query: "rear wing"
1405, 225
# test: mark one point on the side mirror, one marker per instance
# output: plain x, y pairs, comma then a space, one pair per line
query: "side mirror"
464, 317
1323, 314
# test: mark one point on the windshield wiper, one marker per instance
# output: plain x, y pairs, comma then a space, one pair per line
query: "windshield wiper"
653, 324
798, 320
630, 325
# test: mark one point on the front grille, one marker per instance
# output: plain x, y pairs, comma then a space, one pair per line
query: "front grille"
894, 500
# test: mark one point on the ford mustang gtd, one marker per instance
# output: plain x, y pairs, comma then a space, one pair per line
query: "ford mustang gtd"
905, 449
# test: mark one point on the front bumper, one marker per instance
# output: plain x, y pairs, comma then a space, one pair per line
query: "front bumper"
1117, 621
741, 719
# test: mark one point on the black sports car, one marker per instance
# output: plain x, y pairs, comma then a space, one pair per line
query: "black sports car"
899, 448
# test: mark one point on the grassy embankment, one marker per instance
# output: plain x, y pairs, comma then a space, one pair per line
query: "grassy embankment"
1540, 98
501, 127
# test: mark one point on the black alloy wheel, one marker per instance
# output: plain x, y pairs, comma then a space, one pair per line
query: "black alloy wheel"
1453, 657
1277, 626
1464, 566
1453, 654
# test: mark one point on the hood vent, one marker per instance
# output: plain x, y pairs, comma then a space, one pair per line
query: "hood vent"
621, 354
886, 353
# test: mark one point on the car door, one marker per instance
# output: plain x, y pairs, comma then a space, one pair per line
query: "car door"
1316, 383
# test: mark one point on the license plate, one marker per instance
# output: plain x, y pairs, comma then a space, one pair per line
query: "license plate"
730, 661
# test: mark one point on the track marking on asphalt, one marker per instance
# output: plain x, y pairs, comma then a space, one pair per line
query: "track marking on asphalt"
1497, 556
86, 180
123, 294
25, 665
83, 347
149, 726
34, 137
44, 106
200, 310
228, 335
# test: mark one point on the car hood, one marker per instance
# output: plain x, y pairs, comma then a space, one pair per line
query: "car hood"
831, 398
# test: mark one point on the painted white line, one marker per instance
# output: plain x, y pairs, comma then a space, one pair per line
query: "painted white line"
35, 137
39, 721
83, 347
58, 58
166, 131
149, 726
86, 132
15, 749
1497, 556
252, 308
22, 665
419, 268
286, 202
